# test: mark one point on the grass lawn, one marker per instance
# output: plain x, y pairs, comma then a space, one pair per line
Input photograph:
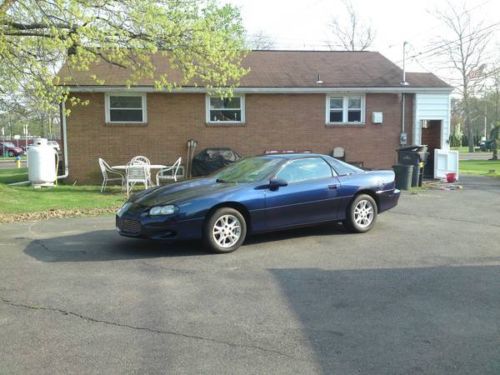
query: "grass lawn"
480, 167
461, 149
9, 176
61, 199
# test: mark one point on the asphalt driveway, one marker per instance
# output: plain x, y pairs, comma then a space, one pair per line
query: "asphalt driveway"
418, 294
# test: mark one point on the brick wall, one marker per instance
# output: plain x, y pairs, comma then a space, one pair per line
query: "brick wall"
272, 122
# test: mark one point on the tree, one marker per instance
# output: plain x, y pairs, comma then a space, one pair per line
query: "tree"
354, 34
464, 51
203, 42
260, 41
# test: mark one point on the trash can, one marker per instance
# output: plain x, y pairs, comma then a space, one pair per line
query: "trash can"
415, 155
404, 175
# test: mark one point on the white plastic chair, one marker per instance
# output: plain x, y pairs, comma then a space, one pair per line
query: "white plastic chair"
140, 159
106, 170
137, 173
169, 173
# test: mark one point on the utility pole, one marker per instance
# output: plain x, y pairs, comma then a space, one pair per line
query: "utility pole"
485, 119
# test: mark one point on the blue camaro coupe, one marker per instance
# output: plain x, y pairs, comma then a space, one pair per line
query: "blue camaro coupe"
260, 194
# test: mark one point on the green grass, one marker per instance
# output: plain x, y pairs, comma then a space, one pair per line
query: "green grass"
480, 167
9, 176
26, 199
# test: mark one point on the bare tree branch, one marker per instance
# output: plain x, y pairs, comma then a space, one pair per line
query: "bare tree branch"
352, 35
465, 55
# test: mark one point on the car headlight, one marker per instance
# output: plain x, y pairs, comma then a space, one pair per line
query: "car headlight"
162, 210
123, 209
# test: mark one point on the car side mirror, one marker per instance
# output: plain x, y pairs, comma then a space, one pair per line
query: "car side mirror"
276, 183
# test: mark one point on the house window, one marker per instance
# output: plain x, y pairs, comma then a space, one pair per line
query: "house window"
225, 110
126, 108
345, 109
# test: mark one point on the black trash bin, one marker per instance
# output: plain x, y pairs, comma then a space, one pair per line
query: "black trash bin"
415, 155
403, 176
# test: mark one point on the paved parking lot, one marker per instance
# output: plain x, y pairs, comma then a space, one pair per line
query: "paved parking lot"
418, 294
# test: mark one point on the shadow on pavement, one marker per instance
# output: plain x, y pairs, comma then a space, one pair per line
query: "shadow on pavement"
328, 229
440, 320
106, 245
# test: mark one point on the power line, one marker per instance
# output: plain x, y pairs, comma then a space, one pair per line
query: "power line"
468, 38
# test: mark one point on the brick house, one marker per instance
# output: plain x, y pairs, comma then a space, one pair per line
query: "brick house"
302, 100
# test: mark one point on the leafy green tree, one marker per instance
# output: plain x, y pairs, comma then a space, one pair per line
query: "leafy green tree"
201, 40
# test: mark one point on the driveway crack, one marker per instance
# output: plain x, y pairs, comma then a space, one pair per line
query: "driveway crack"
146, 329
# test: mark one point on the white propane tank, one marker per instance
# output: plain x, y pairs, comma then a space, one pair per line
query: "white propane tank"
42, 163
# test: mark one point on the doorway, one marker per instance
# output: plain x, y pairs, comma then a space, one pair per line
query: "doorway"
431, 136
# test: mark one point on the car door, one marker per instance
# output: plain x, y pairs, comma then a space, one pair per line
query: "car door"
309, 197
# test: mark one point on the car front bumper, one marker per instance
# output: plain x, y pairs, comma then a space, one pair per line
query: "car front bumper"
158, 228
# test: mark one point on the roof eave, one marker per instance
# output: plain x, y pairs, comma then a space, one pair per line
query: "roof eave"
261, 90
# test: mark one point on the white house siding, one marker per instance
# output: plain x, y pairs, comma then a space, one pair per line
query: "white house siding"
432, 106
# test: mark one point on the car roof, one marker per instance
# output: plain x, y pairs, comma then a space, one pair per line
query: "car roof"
291, 155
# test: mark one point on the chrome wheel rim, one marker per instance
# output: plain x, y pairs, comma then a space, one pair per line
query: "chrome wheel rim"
226, 231
364, 213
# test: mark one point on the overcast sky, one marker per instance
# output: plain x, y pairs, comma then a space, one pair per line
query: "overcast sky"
303, 24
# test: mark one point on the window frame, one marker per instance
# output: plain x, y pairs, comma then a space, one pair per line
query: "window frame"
107, 104
345, 109
208, 109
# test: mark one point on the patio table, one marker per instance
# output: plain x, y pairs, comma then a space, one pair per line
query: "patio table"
151, 166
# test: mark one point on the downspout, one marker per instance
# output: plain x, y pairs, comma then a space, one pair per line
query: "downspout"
403, 137
62, 112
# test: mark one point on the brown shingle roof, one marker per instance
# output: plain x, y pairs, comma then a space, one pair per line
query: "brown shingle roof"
283, 69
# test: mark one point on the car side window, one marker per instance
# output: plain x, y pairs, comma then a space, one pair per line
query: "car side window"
305, 169
344, 169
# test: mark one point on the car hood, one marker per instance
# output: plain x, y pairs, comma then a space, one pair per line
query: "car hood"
182, 191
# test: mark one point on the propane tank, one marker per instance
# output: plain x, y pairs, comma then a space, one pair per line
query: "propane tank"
42, 163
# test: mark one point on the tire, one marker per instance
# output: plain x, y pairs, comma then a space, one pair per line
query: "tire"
361, 214
225, 230
11, 154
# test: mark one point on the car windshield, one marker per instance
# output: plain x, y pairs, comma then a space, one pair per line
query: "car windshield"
8, 144
248, 170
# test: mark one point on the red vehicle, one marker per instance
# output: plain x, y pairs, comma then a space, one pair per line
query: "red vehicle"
10, 149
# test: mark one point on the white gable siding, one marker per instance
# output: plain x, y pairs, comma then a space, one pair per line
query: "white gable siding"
432, 106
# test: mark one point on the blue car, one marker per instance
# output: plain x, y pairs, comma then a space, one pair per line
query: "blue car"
260, 194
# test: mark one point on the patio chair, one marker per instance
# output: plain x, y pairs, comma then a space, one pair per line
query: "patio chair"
106, 171
137, 173
169, 173
140, 159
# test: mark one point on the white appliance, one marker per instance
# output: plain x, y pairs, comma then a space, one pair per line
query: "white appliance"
42, 166
445, 161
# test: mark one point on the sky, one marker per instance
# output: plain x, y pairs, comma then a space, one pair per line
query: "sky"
303, 24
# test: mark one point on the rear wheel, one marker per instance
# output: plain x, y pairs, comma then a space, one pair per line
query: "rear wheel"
225, 230
361, 214
11, 153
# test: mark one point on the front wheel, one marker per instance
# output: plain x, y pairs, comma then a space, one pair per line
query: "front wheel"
361, 214
225, 230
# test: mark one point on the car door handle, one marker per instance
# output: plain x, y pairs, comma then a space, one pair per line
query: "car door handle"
332, 187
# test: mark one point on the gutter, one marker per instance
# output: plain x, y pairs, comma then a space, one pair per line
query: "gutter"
265, 90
